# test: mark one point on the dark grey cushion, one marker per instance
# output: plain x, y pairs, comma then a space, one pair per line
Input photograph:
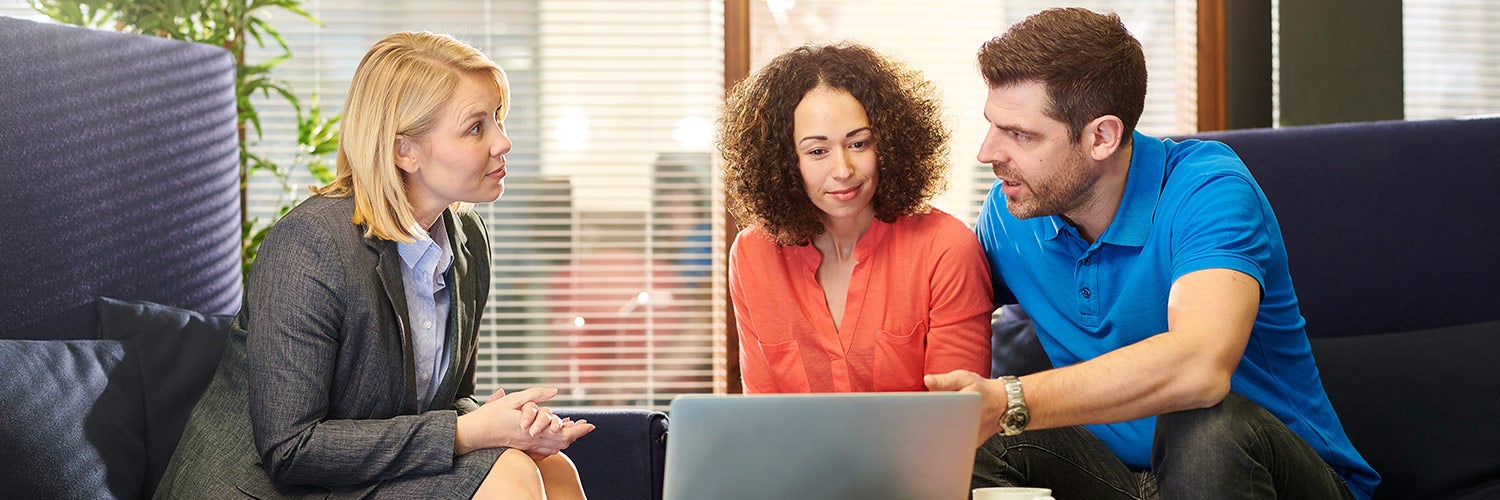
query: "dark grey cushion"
71, 420
1420, 406
176, 352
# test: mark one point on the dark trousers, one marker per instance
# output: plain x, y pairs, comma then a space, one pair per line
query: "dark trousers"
1234, 449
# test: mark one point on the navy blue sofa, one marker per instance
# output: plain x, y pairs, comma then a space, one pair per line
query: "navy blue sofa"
1391, 231
120, 268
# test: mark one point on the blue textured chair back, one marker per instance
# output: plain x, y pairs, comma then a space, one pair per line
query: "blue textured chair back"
121, 176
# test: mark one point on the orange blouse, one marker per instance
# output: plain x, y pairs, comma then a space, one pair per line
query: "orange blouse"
919, 302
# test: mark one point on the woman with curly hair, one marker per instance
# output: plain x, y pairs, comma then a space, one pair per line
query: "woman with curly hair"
845, 279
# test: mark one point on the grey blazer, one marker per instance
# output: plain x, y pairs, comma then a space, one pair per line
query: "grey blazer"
315, 396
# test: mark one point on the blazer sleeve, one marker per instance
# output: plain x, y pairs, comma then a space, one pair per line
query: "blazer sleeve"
297, 296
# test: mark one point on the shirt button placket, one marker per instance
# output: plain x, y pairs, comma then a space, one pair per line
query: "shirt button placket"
1088, 276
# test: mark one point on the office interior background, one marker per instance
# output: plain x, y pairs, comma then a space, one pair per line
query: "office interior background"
609, 242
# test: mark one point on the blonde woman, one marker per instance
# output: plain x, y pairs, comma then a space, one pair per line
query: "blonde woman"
350, 370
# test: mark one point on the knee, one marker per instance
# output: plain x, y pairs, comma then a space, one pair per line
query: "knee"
1206, 431
514, 475
558, 466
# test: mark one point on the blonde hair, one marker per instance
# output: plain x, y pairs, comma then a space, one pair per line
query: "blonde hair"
399, 89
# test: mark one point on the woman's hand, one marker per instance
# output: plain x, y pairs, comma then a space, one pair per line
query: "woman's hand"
517, 421
539, 421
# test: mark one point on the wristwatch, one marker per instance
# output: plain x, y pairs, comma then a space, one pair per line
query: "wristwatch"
1016, 416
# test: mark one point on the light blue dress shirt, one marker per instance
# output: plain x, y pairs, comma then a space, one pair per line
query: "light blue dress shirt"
428, 305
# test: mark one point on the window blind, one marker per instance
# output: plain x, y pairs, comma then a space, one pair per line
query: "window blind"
1451, 58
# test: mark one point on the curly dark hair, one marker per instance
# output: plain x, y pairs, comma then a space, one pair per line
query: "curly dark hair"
762, 182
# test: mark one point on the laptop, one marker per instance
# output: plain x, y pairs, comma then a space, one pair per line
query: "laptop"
892, 445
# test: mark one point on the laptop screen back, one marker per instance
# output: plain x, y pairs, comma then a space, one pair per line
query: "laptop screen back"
914, 445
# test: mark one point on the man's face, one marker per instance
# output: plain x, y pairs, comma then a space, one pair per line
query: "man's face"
1044, 171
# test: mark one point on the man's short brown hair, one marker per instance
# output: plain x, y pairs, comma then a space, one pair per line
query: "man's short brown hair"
1091, 64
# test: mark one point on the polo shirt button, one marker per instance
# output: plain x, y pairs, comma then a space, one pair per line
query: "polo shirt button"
1086, 293
1087, 261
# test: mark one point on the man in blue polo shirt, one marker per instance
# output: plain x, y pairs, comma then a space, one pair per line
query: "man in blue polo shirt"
1156, 278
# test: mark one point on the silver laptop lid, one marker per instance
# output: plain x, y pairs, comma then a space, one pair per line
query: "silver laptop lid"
903, 445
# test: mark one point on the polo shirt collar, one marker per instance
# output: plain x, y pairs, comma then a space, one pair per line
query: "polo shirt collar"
1050, 227
1143, 185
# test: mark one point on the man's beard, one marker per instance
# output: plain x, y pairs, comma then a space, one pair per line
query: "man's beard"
1066, 190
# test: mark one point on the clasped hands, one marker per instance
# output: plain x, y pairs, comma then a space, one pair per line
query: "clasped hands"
517, 420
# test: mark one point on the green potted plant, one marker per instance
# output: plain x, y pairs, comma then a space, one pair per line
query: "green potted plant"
229, 24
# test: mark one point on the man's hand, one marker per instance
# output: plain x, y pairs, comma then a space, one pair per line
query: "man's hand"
991, 394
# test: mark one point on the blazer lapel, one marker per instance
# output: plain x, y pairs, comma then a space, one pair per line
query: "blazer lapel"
388, 268
461, 308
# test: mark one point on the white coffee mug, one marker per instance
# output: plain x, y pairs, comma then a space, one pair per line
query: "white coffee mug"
1012, 493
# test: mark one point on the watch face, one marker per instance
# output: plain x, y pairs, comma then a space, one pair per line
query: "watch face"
1020, 418
1015, 420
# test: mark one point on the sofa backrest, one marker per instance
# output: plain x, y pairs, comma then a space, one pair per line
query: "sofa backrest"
1389, 226
121, 176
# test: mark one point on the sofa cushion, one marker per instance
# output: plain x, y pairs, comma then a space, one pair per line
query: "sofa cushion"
72, 419
176, 352
1420, 406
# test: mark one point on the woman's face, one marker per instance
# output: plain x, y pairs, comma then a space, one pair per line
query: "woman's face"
836, 155
462, 157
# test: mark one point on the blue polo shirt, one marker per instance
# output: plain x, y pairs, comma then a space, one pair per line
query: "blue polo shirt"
1187, 207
